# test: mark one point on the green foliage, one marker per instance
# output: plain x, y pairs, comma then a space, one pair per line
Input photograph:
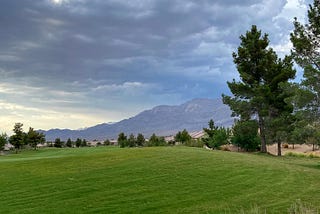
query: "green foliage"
140, 140
182, 137
18, 138
122, 140
3, 140
259, 92
245, 135
306, 51
78, 142
300, 155
33, 138
69, 143
216, 136
84, 143
132, 141
58, 143
195, 143
154, 140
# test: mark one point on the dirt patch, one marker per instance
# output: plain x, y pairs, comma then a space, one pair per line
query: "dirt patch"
303, 148
273, 149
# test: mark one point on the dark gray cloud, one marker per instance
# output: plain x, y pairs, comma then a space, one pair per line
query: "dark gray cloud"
123, 56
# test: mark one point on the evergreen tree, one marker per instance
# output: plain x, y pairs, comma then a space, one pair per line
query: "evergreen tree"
3, 141
78, 142
84, 143
18, 139
140, 140
216, 136
34, 138
154, 140
259, 93
122, 140
58, 143
69, 143
132, 141
183, 137
306, 52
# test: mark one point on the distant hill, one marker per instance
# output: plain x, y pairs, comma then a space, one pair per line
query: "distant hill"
162, 120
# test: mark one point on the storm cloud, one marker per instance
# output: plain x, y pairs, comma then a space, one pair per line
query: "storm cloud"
75, 63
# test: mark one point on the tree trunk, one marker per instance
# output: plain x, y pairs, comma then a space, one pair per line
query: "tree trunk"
313, 147
293, 146
279, 147
262, 135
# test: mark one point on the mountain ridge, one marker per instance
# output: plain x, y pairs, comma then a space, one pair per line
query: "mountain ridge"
163, 120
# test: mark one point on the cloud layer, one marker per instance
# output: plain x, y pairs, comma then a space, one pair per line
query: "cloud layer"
75, 63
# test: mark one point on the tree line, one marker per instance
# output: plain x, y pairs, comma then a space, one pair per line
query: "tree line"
20, 138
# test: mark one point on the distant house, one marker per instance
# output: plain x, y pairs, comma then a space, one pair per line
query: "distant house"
197, 135
194, 135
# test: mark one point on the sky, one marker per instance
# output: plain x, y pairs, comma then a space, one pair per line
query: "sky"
77, 63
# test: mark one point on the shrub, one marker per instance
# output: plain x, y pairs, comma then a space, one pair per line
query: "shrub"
301, 155
195, 143
245, 135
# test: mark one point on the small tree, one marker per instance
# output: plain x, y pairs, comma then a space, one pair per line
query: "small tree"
58, 143
182, 137
33, 138
84, 143
154, 140
3, 140
18, 139
69, 143
78, 142
140, 140
216, 136
132, 141
122, 140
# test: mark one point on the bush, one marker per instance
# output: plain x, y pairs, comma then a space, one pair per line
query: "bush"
245, 135
195, 143
215, 136
301, 155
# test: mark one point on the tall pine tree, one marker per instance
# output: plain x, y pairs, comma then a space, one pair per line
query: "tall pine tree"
306, 52
259, 93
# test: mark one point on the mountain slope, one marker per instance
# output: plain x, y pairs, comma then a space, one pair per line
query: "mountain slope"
162, 120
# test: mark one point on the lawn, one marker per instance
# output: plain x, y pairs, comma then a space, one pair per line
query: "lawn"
154, 180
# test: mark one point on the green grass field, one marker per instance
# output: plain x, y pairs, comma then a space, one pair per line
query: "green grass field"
154, 180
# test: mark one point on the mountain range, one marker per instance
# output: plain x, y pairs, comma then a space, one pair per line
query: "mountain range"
163, 120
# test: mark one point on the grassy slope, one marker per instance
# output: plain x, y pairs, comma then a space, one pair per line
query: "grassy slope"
154, 180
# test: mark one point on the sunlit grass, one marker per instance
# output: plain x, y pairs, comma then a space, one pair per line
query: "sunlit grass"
154, 180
